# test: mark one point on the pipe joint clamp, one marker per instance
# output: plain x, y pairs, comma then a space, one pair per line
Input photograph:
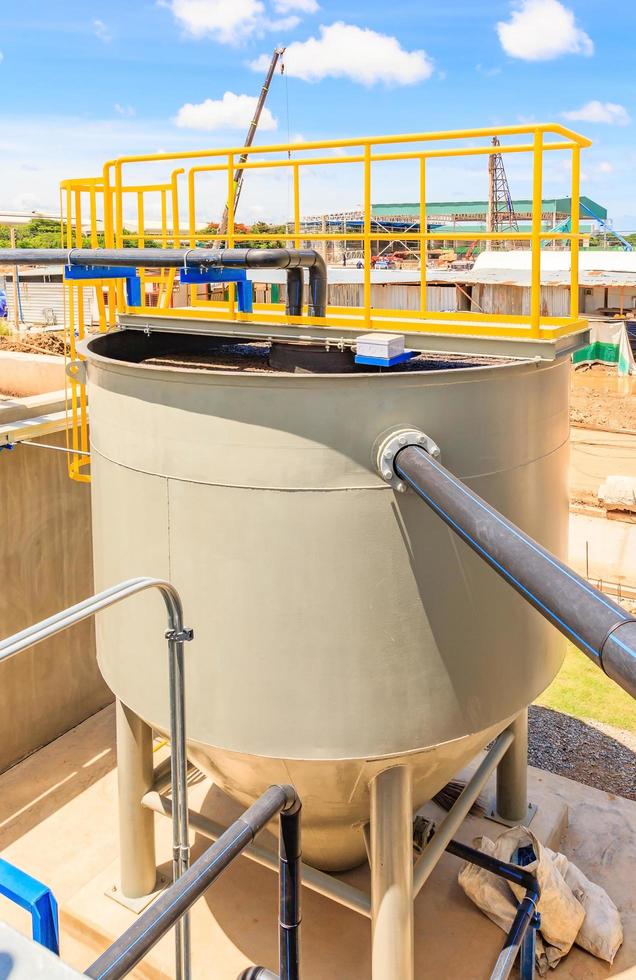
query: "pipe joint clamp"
388, 446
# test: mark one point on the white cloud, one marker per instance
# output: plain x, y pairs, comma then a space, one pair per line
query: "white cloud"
231, 21
231, 112
305, 6
1, 55
605, 167
102, 31
347, 51
226, 21
600, 112
542, 29
124, 110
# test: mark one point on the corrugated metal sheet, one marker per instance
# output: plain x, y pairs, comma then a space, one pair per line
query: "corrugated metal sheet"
394, 296
515, 300
39, 297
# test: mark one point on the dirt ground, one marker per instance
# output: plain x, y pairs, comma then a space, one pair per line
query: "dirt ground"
598, 397
34, 343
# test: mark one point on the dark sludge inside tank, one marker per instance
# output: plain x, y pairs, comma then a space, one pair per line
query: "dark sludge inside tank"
199, 352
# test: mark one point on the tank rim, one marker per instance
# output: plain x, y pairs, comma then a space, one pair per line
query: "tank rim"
86, 349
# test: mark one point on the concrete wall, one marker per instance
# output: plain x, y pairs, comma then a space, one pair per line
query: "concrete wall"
23, 374
45, 565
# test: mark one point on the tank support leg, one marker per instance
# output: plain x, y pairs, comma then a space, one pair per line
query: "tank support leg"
512, 776
136, 823
392, 875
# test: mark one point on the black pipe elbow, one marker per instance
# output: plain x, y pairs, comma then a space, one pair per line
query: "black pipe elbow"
295, 290
318, 287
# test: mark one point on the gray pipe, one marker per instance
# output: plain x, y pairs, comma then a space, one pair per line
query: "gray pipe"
127, 951
291, 259
598, 626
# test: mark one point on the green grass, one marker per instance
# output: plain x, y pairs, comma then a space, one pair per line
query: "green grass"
582, 690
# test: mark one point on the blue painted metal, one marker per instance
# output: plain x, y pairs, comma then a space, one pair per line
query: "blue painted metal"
127, 272
385, 361
244, 292
36, 899
627, 246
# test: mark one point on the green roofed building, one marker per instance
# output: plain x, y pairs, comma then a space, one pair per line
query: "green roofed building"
447, 218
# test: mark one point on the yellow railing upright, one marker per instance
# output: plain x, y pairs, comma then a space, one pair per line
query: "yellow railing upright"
99, 210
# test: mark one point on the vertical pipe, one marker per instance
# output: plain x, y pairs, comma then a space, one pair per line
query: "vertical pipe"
575, 209
423, 231
178, 776
136, 825
289, 917
392, 875
537, 201
512, 774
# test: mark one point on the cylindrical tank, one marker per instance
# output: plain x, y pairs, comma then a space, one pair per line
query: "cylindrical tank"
338, 624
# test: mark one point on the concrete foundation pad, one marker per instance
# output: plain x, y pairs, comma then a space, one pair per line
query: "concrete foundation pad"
58, 822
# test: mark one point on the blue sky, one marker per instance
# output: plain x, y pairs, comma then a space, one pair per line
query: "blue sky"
83, 81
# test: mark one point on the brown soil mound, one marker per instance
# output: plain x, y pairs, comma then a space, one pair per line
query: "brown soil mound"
34, 343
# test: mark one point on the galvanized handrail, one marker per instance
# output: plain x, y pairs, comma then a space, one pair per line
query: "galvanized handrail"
131, 947
176, 635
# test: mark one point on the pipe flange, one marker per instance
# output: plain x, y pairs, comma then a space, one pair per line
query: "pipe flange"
389, 445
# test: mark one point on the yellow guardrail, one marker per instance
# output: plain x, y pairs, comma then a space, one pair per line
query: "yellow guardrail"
171, 182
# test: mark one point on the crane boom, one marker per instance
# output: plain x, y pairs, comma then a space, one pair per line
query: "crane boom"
238, 173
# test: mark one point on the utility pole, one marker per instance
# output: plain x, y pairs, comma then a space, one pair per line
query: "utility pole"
238, 173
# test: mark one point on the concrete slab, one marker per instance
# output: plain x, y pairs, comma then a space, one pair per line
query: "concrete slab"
58, 821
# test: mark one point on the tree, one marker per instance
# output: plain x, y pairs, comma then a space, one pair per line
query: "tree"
257, 229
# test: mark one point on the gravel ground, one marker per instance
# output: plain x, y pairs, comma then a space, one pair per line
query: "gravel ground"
590, 752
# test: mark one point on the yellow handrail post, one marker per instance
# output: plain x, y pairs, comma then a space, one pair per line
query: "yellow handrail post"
575, 209
367, 234
297, 205
231, 192
537, 214
423, 233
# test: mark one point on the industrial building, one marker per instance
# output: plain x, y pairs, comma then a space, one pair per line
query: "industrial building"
444, 217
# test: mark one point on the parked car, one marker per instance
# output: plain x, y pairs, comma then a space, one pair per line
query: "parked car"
3, 303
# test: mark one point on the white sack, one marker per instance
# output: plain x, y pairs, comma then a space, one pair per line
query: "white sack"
572, 908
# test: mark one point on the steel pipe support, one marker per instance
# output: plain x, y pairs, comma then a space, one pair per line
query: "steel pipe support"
459, 811
138, 865
512, 774
392, 875
317, 881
